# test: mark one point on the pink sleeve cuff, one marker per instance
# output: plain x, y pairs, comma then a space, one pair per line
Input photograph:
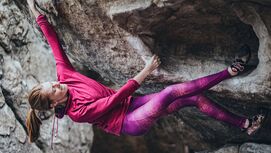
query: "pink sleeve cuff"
41, 19
40, 16
135, 83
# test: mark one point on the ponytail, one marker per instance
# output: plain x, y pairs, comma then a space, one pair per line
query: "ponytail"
33, 125
37, 101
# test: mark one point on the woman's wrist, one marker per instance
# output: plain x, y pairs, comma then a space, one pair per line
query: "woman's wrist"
35, 11
147, 70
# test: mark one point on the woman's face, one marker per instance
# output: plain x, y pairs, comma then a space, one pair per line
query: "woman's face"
55, 91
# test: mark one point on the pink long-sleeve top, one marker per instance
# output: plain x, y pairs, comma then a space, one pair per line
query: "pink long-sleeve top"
89, 101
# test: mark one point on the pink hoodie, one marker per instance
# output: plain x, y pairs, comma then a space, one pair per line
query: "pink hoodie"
89, 101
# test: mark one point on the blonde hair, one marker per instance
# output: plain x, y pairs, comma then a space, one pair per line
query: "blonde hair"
37, 101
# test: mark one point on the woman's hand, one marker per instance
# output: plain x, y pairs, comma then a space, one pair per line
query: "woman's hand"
153, 63
32, 6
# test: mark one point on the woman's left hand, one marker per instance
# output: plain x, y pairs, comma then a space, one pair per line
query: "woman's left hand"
32, 6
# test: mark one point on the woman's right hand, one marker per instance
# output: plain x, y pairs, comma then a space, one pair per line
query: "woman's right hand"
153, 63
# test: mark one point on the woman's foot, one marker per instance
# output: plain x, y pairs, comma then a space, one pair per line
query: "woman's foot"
254, 124
241, 59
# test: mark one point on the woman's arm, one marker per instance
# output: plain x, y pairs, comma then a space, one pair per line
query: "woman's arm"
51, 36
151, 65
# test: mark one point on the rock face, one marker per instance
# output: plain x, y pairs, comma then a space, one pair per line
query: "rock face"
115, 38
25, 61
244, 148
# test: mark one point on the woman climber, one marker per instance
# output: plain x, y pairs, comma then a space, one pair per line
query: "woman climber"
117, 112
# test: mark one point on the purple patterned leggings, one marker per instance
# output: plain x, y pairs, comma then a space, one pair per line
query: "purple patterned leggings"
145, 110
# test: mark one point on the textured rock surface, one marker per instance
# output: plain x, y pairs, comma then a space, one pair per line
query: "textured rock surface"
114, 38
25, 60
244, 148
227, 149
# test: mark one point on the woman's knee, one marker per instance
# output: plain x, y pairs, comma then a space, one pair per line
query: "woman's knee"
135, 129
199, 100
